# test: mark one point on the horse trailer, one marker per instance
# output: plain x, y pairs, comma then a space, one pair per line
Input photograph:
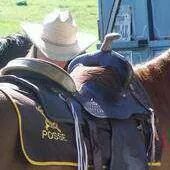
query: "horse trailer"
144, 26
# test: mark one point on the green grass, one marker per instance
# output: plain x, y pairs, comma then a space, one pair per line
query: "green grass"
11, 15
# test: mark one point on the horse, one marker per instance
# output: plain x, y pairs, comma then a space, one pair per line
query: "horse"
154, 76
13, 46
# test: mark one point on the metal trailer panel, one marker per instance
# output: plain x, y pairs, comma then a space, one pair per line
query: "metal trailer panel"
143, 24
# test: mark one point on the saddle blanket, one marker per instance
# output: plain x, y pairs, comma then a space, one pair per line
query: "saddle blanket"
43, 142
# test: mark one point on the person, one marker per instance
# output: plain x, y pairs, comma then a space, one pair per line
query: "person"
57, 39
39, 78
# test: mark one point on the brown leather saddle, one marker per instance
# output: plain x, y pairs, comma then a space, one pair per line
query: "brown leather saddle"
131, 96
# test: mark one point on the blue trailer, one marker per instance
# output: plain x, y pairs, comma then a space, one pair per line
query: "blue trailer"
143, 24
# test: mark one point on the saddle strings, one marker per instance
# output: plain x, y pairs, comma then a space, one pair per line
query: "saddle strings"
81, 145
82, 156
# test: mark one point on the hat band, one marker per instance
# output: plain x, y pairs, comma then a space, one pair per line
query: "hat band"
58, 44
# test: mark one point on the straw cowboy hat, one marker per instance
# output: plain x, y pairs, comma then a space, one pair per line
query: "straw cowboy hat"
58, 37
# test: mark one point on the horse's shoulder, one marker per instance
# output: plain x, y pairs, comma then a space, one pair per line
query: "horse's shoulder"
4, 101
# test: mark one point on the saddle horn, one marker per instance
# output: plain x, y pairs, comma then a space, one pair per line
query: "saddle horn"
107, 43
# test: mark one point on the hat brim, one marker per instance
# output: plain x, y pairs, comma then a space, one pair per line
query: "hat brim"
53, 51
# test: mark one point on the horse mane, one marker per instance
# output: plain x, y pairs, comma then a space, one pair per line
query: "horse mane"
155, 67
13, 46
155, 76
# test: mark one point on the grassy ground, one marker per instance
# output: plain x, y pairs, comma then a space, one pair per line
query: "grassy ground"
11, 15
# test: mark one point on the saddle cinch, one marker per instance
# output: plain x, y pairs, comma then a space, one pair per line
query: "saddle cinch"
60, 126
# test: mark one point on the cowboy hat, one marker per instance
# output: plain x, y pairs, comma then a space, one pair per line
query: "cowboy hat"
58, 37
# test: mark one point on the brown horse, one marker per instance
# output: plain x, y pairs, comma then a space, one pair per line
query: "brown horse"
154, 75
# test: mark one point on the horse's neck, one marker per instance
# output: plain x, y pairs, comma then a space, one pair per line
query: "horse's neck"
155, 76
